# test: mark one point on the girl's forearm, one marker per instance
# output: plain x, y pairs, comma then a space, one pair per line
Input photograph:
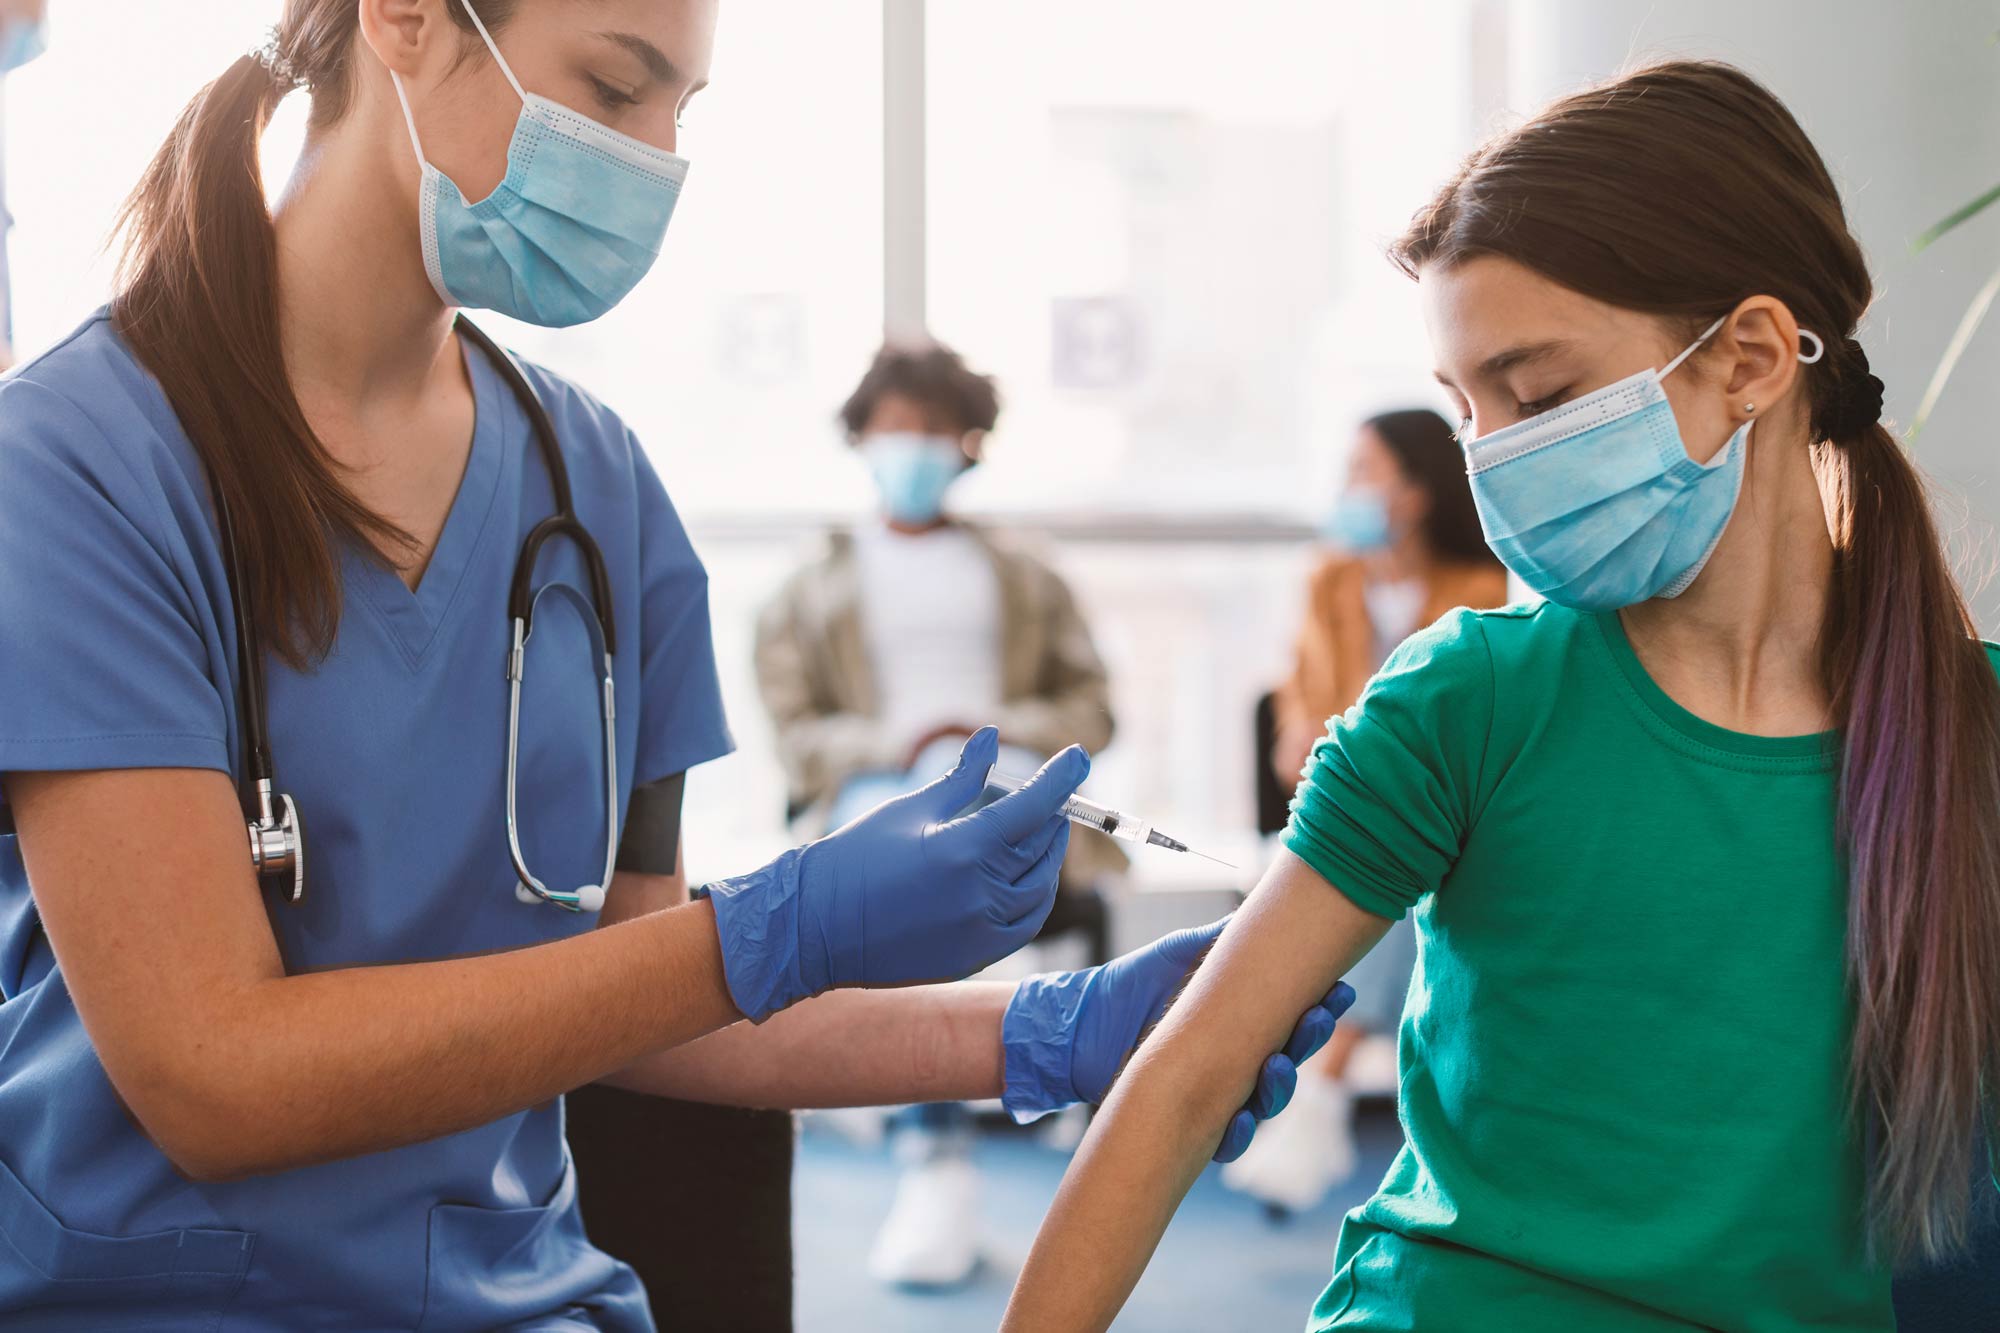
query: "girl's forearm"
1282, 950
1143, 1153
845, 1048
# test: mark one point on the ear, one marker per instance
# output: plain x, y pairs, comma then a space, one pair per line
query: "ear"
403, 34
973, 445
1758, 356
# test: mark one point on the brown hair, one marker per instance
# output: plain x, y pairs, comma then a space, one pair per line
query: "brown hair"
1681, 190
931, 375
198, 305
1426, 448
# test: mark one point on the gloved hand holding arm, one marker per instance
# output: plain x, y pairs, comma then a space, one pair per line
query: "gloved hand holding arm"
1067, 1034
911, 891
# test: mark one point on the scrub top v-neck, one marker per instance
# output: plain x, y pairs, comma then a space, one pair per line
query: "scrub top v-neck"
120, 653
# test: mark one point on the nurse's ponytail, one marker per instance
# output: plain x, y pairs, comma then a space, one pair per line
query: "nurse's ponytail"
1680, 190
198, 304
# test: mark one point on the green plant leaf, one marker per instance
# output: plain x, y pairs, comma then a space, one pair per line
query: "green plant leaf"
1975, 314
1964, 214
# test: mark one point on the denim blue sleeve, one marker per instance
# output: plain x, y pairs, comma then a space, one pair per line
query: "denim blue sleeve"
681, 720
104, 658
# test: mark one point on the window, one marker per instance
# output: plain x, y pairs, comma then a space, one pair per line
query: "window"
1166, 236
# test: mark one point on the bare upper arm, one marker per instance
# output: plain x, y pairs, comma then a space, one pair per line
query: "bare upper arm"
1281, 954
142, 880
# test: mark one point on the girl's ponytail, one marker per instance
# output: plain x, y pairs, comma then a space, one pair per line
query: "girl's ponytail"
1919, 804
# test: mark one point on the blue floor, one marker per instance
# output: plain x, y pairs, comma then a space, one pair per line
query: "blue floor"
1221, 1265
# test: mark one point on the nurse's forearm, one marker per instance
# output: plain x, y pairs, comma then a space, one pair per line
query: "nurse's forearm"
234, 1067
329, 1065
845, 1048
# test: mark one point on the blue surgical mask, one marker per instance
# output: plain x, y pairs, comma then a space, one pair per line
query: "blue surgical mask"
1596, 504
913, 472
1358, 522
21, 40
573, 227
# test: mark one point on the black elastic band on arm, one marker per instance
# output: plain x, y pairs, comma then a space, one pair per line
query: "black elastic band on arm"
652, 841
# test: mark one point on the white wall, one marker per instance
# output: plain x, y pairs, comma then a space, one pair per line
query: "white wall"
1903, 101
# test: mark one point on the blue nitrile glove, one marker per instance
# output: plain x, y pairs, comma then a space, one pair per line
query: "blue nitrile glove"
1066, 1034
910, 891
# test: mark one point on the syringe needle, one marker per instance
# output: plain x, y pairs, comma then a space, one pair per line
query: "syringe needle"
1159, 839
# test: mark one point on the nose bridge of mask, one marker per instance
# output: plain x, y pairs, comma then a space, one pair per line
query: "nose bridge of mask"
548, 120
1635, 393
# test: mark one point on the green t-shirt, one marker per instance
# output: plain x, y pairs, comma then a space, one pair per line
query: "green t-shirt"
1624, 1055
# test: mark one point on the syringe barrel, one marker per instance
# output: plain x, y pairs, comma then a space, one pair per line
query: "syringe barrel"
1087, 813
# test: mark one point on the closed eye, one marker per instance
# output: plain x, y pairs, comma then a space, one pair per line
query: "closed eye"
612, 98
1541, 405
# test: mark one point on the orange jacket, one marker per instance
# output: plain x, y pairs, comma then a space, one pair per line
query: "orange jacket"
1336, 653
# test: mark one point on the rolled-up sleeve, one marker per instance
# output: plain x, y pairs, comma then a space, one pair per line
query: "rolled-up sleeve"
1390, 790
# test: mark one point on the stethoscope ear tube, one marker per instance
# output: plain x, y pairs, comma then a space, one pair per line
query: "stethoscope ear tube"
520, 594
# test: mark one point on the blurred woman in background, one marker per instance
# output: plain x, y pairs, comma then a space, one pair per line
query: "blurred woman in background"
1405, 549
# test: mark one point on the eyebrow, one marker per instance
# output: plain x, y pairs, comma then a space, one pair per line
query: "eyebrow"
1502, 362
652, 57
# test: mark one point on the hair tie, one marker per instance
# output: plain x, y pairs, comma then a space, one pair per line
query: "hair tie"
272, 57
1857, 403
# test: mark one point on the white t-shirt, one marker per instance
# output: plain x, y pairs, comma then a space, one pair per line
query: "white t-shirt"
930, 614
1393, 609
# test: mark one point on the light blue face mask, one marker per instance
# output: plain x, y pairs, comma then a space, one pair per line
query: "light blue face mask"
1358, 522
21, 40
573, 227
1596, 504
913, 472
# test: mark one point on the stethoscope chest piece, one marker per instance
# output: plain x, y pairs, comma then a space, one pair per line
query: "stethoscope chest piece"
278, 844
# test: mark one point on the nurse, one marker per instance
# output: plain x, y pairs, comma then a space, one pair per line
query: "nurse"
221, 1109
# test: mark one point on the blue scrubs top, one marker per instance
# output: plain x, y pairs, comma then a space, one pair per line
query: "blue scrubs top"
119, 652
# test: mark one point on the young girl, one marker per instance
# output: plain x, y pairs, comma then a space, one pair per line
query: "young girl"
1702, 851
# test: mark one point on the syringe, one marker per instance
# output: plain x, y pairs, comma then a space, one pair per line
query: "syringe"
1105, 820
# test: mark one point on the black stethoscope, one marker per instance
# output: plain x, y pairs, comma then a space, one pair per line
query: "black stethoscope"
277, 831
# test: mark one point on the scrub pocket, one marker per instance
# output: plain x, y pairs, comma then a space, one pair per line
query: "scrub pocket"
504, 1267
55, 1277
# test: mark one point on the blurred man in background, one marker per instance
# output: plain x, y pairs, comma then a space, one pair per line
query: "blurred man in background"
905, 636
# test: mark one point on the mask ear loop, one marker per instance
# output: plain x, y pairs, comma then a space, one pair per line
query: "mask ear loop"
1819, 347
1689, 350
409, 120
498, 59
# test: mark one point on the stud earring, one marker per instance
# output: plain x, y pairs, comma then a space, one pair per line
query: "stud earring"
1749, 407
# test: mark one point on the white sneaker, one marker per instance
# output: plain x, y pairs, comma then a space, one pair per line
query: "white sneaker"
931, 1237
1303, 1152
